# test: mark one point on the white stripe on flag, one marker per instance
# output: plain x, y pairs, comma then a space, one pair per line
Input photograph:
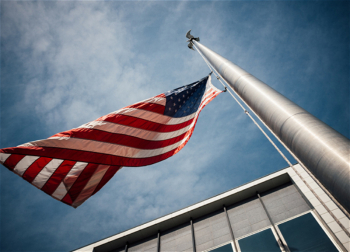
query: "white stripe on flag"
46, 172
131, 131
60, 192
73, 174
152, 116
101, 147
23, 164
156, 100
156, 152
3, 157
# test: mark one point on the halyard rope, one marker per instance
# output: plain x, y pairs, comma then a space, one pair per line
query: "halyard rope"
218, 76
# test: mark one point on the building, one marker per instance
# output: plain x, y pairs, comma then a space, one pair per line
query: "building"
284, 211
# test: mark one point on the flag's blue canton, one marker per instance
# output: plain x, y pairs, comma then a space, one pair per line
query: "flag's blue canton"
185, 100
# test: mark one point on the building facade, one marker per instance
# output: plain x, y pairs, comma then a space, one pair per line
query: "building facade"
288, 210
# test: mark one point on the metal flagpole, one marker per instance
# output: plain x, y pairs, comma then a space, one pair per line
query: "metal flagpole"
315, 145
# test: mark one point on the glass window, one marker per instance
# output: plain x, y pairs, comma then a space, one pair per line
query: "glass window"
305, 234
225, 248
262, 241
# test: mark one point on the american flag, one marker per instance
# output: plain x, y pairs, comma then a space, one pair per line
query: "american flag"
73, 165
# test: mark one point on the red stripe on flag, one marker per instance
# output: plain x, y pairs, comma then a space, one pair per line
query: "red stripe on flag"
108, 175
12, 160
35, 168
144, 124
82, 180
90, 157
56, 178
131, 122
156, 108
130, 141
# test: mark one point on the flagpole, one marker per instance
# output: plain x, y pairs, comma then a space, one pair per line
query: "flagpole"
315, 145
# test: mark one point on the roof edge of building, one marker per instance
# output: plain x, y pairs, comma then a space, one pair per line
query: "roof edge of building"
194, 211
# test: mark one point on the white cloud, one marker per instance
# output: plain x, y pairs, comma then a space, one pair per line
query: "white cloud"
77, 56
77, 61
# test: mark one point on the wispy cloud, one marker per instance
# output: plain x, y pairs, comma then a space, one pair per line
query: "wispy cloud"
77, 57
67, 63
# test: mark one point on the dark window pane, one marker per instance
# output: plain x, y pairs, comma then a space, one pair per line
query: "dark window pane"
263, 241
305, 234
226, 248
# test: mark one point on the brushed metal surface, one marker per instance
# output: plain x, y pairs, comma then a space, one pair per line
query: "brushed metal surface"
324, 151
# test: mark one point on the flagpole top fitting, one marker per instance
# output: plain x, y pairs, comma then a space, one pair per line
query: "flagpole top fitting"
190, 39
210, 73
225, 90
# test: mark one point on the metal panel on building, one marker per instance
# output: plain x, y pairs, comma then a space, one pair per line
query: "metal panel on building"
247, 217
211, 230
284, 202
177, 239
146, 245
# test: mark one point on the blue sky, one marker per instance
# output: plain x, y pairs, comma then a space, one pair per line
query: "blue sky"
67, 63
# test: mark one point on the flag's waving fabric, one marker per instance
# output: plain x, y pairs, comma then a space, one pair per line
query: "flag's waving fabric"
73, 165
